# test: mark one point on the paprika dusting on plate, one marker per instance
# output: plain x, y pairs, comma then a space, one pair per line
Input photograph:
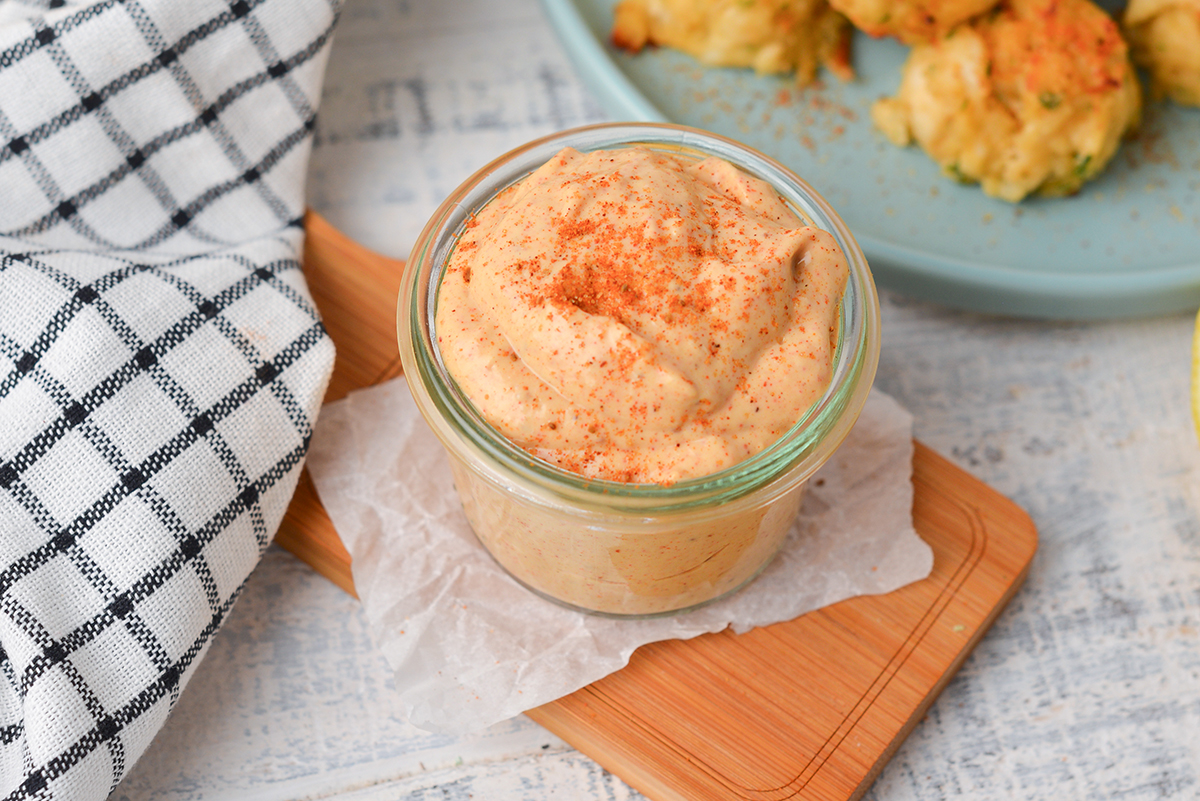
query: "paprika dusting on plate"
639, 316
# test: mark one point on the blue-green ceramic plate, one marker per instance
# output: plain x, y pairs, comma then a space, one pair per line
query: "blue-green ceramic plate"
1127, 245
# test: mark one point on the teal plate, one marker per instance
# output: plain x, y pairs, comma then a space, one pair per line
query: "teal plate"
1127, 245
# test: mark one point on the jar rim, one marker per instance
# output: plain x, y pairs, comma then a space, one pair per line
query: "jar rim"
462, 428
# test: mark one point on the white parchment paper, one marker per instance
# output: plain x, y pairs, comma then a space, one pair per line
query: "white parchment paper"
471, 647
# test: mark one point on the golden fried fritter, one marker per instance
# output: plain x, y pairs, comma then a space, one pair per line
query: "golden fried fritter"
1034, 96
1164, 37
772, 36
911, 21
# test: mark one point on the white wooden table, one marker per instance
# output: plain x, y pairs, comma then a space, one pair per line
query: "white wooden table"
1087, 688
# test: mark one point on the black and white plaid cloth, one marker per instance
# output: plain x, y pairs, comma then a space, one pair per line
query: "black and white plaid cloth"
161, 360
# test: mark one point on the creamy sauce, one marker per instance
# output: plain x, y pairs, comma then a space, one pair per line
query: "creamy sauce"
640, 317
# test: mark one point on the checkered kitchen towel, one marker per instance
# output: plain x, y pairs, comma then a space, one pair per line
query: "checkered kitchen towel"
161, 360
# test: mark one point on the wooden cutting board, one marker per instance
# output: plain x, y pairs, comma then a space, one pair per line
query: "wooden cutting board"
811, 708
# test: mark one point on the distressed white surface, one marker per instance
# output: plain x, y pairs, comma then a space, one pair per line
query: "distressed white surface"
1087, 688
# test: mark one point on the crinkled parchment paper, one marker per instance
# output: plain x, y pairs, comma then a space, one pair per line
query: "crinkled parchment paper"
471, 647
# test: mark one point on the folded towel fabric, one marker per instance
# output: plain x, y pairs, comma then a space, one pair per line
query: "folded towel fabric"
161, 360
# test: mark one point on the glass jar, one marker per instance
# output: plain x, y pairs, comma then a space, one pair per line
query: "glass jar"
607, 547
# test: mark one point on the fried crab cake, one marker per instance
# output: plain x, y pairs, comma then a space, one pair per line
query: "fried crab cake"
1034, 96
1164, 37
911, 21
772, 36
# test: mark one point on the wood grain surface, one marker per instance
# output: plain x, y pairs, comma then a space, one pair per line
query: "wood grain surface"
355, 289
808, 709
